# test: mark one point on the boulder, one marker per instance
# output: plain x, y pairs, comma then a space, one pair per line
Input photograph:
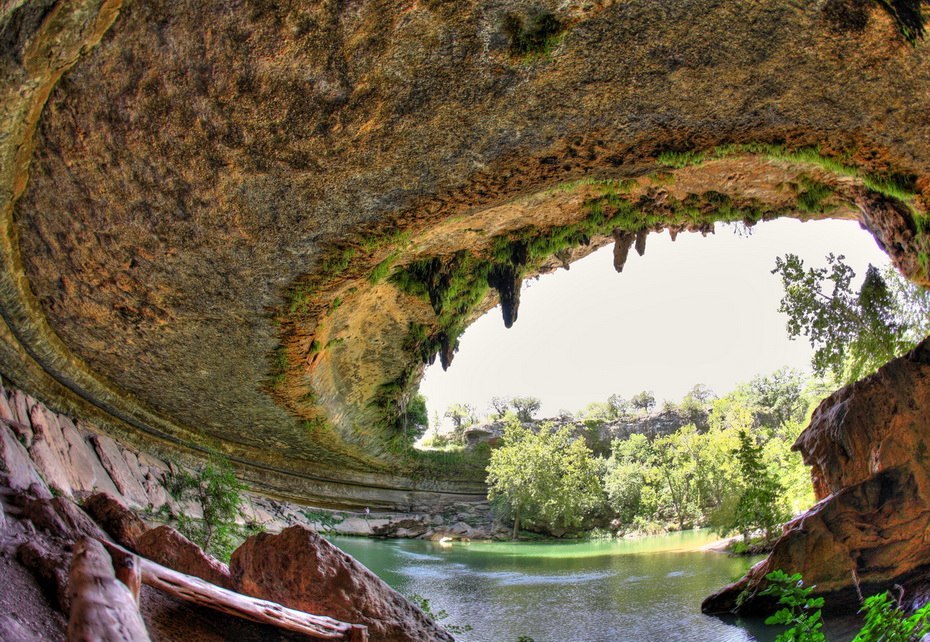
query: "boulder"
122, 524
300, 569
168, 547
59, 518
868, 447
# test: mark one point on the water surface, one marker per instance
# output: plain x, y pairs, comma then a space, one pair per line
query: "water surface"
646, 590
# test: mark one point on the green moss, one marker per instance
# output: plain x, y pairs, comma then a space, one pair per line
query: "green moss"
383, 268
532, 35
680, 159
898, 186
812, 194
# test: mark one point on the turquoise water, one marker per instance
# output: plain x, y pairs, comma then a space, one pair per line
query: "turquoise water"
646, 590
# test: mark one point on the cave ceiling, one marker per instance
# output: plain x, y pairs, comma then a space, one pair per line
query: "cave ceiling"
246, 226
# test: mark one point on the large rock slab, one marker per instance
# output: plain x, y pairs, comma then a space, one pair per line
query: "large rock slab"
300, 569
85, 472
111, 515
46, 448
125, 477
868, 448
16, 465
169, 548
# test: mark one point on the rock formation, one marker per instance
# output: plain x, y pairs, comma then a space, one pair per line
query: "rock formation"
868, 447
208, 230
300, 569
247, 226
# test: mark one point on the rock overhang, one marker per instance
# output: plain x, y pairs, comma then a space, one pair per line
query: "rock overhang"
243, 236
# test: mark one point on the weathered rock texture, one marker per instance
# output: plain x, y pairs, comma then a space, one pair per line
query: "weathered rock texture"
868, 448
168, 547
300, 569
200, 202
42, 537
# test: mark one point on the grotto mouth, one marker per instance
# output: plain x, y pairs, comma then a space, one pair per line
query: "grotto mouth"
205, 250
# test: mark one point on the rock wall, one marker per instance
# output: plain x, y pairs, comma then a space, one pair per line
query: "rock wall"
74, 460
869, 448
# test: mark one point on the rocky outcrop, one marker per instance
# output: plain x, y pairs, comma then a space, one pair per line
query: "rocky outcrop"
597, 434
119, 522
300, 569
168, 547
869, 449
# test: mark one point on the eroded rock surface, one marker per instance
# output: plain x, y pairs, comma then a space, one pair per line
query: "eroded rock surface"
300, 569
203, 204
868, 446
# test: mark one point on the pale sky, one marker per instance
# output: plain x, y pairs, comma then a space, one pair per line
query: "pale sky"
699, 310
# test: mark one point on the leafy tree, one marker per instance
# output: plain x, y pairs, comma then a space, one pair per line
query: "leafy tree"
779, 399
758, 507
625, 478
545, 477
500, 405
643, 401
462, 416
619, 406
701, 393
215, 488
416, 417
526, 407
885, 617
885, 620
852, 333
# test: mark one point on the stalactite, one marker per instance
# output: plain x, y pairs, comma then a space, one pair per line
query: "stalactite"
507, 280
641, 241
623, 241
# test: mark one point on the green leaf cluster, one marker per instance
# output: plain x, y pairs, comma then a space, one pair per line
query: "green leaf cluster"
885, 618
544, 477
216, 490
800, 612
853, 333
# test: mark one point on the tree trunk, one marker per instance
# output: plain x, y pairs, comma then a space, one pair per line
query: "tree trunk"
516, 524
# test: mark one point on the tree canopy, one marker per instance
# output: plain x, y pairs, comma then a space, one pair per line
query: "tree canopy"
852, 333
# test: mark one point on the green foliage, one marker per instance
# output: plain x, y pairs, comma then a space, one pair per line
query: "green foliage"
415, 414
885, 617
544, 477
525, 407
216, 490
800, 612
758, 507
693, 476
383, 268
885, 621
852, 333
537, 33
437, 616
812, 194
644, 401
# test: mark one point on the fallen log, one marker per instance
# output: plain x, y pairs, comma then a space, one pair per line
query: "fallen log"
102, 607
195, 590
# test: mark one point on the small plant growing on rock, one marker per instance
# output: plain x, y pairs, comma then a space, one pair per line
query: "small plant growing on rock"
218, 492
800, 612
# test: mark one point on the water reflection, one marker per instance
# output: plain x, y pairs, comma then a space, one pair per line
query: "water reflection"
643, 590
